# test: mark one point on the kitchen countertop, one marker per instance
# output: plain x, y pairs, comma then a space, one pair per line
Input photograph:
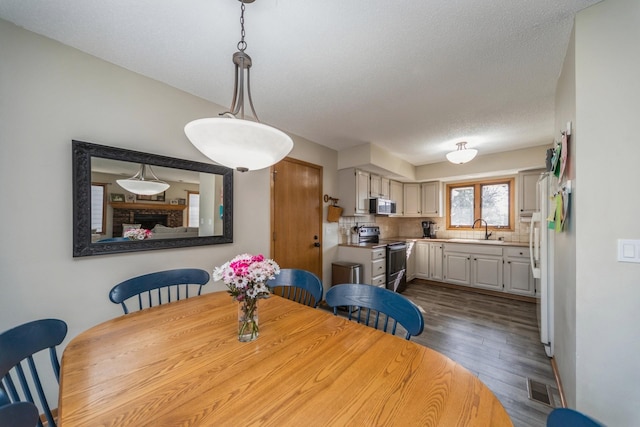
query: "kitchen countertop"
385, 241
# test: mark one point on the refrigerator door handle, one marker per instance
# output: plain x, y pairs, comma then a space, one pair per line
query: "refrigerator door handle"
534, 244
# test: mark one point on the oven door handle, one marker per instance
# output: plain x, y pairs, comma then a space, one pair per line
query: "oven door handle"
397, 246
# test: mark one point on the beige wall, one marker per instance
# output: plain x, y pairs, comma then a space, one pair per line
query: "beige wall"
51, 94
565, 242
606, 209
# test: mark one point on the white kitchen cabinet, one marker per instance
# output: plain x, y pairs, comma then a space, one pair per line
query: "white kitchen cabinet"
375, 186
353, 191
411, 260
385, 190
494, 267
422, 260
527, 192
431, 197
486, 272
373, 262
518, 278
396, 194
473, 265
435, 261
457, 267
378, 186
412, 204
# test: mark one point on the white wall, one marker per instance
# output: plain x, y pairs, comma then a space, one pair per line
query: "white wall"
565, 242
51, 94
607, 153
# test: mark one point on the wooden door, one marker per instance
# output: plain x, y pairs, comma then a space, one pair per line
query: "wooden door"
296, 215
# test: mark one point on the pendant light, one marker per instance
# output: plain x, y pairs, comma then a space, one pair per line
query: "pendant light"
462, 154
141, 183
232, 141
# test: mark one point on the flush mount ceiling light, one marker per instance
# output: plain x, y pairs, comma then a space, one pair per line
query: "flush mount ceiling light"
235, 142
141, 184
462, 154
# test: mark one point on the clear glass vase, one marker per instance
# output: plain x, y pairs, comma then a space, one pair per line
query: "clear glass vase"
248, 320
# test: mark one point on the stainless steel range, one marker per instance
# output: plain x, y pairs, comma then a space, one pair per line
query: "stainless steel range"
396, 257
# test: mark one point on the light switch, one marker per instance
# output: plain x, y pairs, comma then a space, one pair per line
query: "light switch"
628, 250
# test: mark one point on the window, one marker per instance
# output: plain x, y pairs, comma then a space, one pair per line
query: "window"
492, 201
98, 204
194, 209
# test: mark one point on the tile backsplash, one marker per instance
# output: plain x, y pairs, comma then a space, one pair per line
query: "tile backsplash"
411, 227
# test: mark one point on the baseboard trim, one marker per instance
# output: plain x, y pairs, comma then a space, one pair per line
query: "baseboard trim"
556, 374
476, 290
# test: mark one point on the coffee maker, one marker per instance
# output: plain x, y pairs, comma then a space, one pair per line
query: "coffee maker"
428, 230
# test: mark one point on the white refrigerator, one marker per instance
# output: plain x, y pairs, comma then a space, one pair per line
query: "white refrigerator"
541, 241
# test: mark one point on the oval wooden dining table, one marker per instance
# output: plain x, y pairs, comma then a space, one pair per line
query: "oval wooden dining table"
181, 364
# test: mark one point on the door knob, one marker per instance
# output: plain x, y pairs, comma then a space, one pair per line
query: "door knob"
316, 244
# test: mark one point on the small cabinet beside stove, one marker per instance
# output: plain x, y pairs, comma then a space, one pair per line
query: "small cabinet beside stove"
378, 267
372, 260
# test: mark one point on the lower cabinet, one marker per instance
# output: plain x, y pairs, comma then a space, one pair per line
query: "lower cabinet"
422, 260
411, 260
518, 278
493, 267
487, 272
373, 263
435, 261
457, 268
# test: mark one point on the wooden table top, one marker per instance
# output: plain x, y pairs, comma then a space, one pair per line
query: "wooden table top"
181, 364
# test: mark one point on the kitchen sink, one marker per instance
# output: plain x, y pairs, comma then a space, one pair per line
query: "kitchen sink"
481, 241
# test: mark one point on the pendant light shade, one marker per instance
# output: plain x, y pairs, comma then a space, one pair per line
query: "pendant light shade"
232, 141
462, 154
239, 144
144, 183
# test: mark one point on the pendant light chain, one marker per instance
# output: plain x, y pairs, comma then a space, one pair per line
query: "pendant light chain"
242, 45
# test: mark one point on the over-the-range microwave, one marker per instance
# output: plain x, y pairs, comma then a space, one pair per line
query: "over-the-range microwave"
380, 206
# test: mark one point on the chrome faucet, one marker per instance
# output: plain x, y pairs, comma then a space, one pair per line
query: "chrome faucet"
486, 228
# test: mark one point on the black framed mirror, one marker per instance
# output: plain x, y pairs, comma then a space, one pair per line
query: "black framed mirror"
196, 209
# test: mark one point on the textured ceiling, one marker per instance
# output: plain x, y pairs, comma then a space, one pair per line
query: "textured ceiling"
414, 77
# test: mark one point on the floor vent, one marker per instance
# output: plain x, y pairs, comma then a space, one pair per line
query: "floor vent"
540, 392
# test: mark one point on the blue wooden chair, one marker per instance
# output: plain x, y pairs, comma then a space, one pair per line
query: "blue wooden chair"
18, 345
377, 307
19, 414
159, 287
297, 285
565, 417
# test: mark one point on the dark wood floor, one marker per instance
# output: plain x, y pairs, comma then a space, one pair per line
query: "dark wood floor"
495, 338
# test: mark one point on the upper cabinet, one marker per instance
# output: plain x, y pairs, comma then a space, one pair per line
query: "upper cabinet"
527, 192
378, 186
422, 199
431, 194
396, 194
412, 203
353, 191
385, 191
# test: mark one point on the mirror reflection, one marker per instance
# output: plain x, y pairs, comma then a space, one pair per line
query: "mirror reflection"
128, 201
192, 205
